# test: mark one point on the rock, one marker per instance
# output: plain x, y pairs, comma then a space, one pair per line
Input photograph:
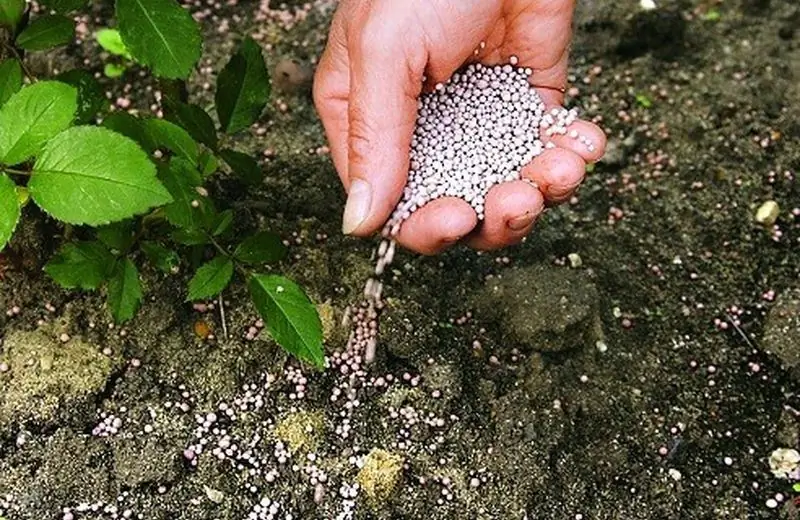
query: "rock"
548, 309
782, 331
301, 431
291, 76
768, 213
785, 463
49, 381
380, 475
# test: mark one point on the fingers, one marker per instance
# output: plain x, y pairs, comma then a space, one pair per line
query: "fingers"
437, 225
583, 138
331, 93
511, 211
557, 173
385, 81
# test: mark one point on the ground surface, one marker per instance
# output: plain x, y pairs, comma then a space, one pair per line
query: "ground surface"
636, 358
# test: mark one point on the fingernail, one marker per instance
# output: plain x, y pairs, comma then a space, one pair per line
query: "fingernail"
522, 222
356, 210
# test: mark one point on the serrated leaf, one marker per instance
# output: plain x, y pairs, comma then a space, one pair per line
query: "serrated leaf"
190, 237
64, 6
210, 279
124, 291
263, 247
10, 79
33, 116
172, 137
111, 41
243, 165
188, 209
9, 209
113, 70
242, 88
207, 163
118, 236
11, 12
91, 96
47, 32
291, 318
83, 265
131, 127
161, 35
75, 183
222, 223
194, 120
163, 258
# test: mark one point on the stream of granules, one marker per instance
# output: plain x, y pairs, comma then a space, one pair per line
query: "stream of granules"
475, 131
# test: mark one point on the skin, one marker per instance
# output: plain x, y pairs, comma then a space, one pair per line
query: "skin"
366, 89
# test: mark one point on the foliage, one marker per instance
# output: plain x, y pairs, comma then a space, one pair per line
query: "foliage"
135, 188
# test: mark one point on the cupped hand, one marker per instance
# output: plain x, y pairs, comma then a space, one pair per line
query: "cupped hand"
366, 89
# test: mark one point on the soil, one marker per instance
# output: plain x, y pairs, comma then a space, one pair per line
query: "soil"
652, 381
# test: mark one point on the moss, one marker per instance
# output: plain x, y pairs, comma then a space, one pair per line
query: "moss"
301, 431
46, 378
380, 475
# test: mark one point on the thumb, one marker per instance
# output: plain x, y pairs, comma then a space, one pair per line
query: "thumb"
384, 85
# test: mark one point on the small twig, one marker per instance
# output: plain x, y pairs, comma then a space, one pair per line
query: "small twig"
740, 331
14, 171
19, 58
222, 317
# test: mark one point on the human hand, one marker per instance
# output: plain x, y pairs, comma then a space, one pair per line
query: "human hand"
366, 89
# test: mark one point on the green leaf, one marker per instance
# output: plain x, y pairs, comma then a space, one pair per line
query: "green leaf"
118, 235
84, 265
194, 120
9, 209
242, 88
644, 100
161, 35
33, 116
131, 127
222, 223
47, 32
210, 279
264, 247
11, 12
189, 208
208, 163
113, 70
243, 165
111, 41
91, 175
291, 318
91, 96
172, 137
163, 258
10, 79
190, 237
124, 291
64, 6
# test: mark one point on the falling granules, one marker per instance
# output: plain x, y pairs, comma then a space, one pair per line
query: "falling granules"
472, 133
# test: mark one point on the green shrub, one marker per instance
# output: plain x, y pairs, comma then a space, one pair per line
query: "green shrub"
139, 181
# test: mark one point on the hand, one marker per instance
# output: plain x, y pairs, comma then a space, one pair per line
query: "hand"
366, 89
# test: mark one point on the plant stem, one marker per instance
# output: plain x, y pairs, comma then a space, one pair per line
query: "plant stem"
222, 317
21, 61
14, 171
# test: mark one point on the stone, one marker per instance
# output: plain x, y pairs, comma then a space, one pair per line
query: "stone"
545, 308
380, 475
48, 381
782, 331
